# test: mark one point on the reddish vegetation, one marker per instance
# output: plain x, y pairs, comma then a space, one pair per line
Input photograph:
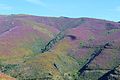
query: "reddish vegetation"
5, 77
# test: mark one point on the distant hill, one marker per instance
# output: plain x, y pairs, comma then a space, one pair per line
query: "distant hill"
56, 48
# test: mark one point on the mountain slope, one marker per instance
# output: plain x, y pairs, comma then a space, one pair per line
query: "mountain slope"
31, 47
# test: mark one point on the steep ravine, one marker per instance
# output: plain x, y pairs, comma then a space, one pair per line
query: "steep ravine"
113, 74
96, 53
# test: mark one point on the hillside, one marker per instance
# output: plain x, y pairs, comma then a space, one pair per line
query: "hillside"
59, 48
